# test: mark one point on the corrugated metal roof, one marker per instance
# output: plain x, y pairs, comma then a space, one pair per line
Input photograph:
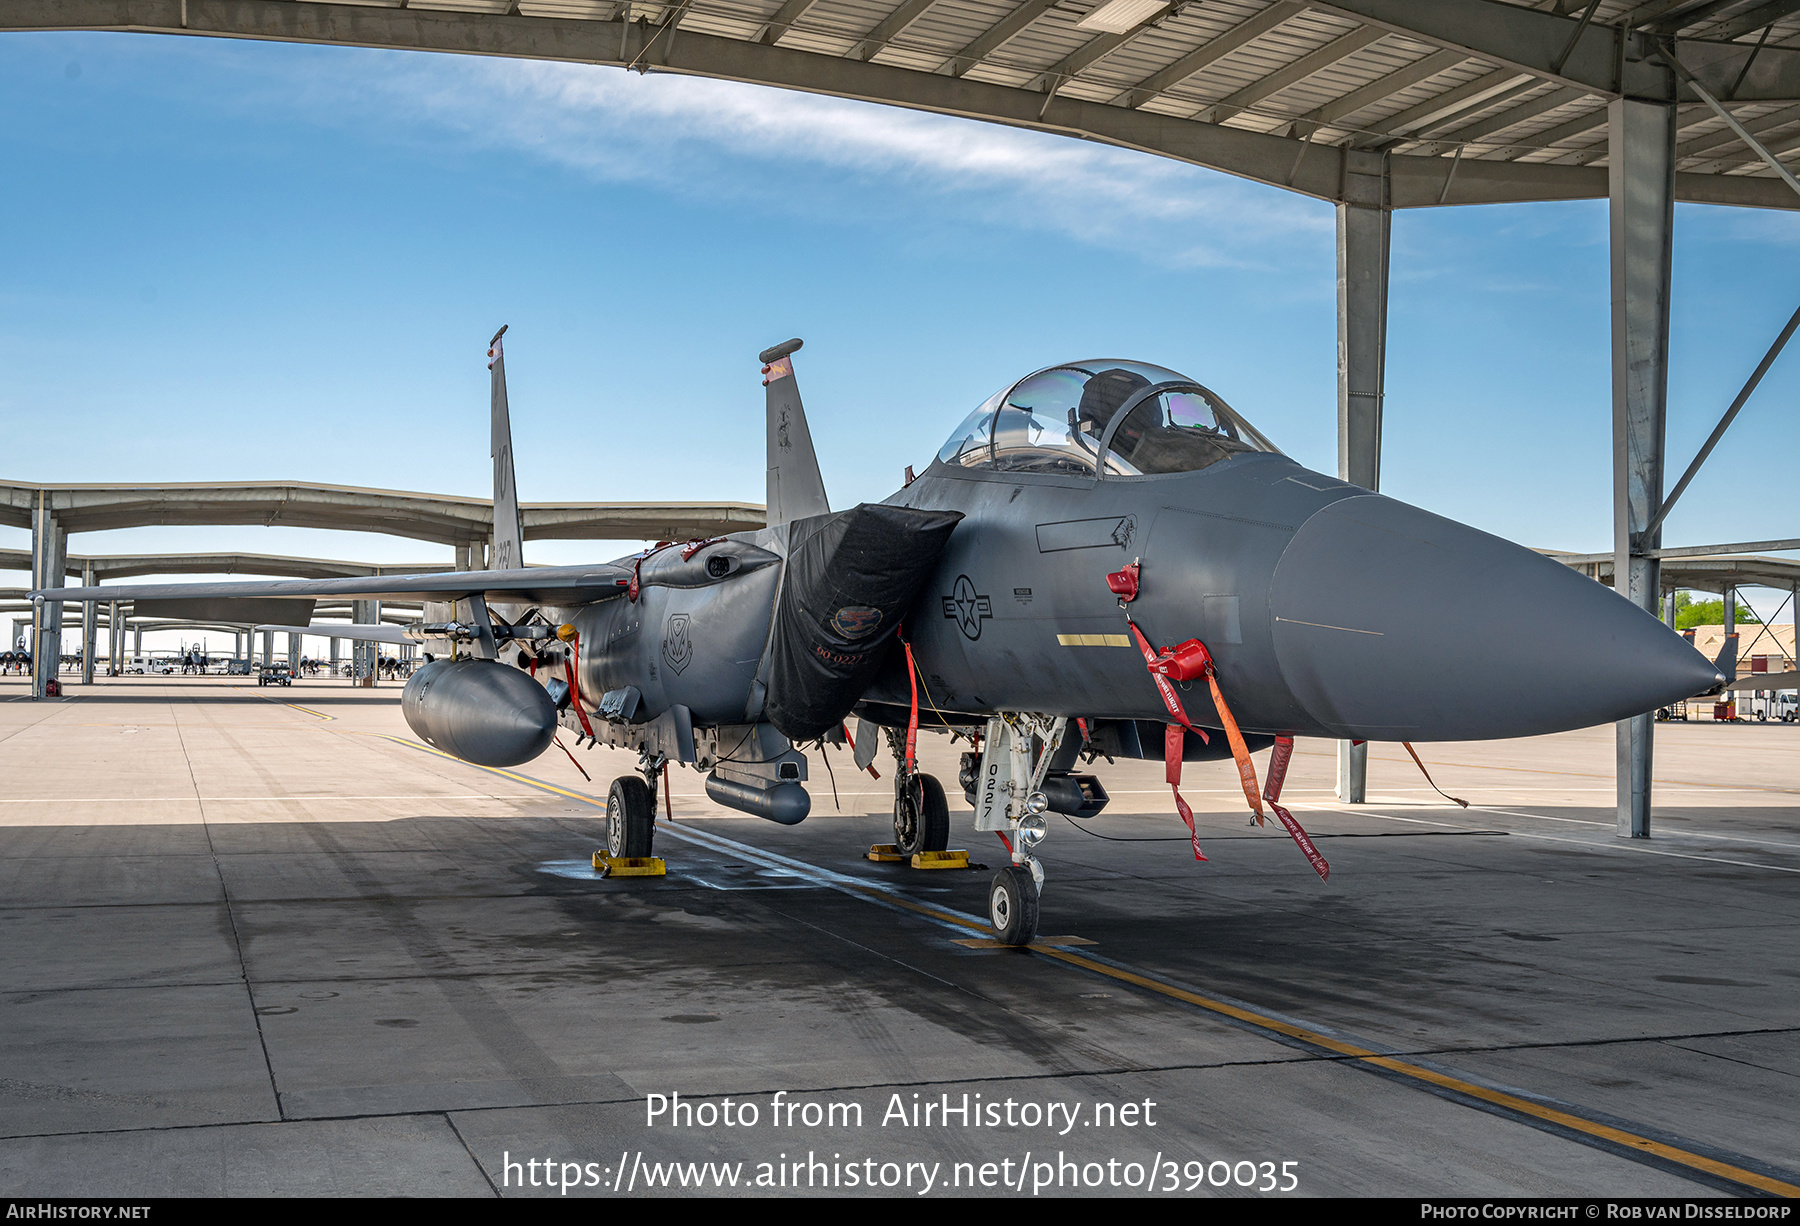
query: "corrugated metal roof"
1405, 80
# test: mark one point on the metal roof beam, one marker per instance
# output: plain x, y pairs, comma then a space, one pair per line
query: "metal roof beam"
1317, 61
1556, 48
1529, 40
1702, 145
1240, 35
1262, 157
1506, 119
1091, 52
1647, 12
1479, 92
1595, 118
1383, 87
1005, 30
890, 29
1756, 19
784, 20
1695, 14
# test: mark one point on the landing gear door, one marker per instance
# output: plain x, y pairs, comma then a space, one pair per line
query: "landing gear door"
992, 789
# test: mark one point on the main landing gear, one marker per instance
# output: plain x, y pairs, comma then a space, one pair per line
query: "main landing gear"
631, 811
921, 814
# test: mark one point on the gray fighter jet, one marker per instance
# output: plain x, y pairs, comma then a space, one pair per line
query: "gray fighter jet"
1105, 560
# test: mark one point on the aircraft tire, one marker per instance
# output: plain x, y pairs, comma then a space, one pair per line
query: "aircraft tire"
630, 817
921, 817
1013, 905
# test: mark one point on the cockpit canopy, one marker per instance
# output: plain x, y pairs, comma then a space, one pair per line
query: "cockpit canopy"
1108, 417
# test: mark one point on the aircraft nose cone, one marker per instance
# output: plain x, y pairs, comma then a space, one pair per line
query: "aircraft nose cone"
1391, 623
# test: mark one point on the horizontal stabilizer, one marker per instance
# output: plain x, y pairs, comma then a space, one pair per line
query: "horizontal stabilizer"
207, 608
343, 630
1765, 681
535, 584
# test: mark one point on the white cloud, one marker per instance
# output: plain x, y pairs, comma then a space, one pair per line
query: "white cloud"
745, 141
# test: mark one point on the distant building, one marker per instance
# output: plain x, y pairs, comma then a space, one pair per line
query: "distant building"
1761, 649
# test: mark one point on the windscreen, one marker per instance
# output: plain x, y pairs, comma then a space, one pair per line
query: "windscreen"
1054, 421
1175, 431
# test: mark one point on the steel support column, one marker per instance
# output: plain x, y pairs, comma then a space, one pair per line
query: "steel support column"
1729, 657
366, 655
90, 627
1641, 190
49, 559
294, 653
115, 641
1364, 224
268, 651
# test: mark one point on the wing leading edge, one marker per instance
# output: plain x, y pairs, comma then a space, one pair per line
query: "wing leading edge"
551, 585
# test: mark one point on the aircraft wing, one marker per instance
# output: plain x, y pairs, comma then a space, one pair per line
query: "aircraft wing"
551, 585
343, 630
1765, 681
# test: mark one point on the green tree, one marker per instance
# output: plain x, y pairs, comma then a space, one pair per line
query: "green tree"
1690, 612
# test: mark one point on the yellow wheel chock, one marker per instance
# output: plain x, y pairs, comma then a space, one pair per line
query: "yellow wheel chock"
629, 866
888, 853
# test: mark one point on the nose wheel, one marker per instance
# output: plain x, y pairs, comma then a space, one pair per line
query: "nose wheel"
1013, 905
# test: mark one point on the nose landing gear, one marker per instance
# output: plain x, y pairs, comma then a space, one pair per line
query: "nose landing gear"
1016, 756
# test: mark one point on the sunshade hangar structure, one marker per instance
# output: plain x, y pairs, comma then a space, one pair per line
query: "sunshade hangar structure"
1371, 104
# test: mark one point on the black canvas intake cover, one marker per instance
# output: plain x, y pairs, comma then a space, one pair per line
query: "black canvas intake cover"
850, 578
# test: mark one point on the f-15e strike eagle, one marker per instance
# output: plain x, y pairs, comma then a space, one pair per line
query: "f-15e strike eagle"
1105, 560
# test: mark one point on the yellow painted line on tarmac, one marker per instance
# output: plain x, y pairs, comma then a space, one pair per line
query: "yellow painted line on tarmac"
1260, 1021
295, 705
1499, 1098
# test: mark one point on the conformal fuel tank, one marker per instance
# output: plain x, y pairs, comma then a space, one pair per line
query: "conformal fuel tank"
482, 712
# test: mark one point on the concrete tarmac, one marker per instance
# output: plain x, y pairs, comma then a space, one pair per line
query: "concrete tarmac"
262, 941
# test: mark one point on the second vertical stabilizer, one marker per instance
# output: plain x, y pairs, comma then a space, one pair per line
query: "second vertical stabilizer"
509, 534
796, 490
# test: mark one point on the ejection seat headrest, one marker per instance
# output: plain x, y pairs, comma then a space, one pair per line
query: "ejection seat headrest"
1105, 392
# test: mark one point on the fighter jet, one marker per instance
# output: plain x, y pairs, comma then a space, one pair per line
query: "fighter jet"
1105, 560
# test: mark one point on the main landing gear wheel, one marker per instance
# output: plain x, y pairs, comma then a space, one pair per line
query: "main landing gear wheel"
630, 817
921, 817
1013, 905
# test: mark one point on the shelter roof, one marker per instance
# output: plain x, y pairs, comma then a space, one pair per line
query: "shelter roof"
444, 518
1466, 101
1701, 574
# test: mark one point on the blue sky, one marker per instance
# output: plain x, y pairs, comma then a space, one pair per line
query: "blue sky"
229, 260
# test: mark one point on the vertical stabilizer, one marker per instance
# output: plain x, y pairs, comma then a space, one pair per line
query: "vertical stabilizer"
509, 535
796, 490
